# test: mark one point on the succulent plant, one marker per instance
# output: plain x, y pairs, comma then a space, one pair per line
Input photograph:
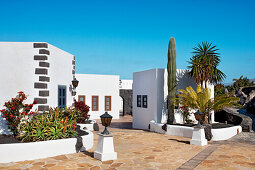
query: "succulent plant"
171, 69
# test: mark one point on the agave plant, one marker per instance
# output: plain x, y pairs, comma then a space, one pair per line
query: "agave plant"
56, 124
200, 100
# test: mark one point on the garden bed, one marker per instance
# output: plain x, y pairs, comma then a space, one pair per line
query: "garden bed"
13, 152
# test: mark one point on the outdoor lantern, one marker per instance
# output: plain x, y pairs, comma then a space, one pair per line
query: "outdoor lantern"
75, 82
198, 116
106, 121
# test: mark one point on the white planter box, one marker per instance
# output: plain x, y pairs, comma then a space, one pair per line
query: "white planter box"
88, 126
36, 150
225, 133
184, 131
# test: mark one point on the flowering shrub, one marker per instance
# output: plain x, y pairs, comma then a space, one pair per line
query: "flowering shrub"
83, 111
16, 110
185, 114
57, 124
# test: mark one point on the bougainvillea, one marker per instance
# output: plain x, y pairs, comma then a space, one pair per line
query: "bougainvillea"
15, 110
83, 109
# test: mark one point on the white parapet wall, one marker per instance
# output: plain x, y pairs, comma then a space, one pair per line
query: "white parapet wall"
184, 131
36, 150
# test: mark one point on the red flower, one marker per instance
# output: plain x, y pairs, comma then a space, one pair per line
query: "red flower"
35, 102
20, 92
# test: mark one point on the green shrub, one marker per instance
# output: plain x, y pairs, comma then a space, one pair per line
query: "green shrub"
57, 124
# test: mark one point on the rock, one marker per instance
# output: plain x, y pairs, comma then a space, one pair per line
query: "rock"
247, 98
208, 132
95, 127
232, 116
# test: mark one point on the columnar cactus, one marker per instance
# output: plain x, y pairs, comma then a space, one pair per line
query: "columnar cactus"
171, 69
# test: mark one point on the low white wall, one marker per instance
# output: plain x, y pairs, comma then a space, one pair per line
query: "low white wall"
225, 133
43, 149
183, 131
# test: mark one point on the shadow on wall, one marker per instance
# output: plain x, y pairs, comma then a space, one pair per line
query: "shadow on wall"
183, 81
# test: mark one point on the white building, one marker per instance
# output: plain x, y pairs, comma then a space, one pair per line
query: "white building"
43, 71
126, 84
150, 93
100, 93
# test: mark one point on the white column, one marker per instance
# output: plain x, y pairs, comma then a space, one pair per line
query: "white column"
105, 148
198, 136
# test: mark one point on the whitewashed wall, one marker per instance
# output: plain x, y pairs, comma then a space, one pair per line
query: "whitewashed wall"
154, 84
145, 83
99, 85
126, 84
17, 70
60, 73
17, 73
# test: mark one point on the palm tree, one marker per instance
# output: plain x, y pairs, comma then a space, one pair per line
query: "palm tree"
204, 64
200, 100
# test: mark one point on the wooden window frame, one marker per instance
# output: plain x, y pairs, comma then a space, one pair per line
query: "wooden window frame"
96, 105
79, 98
110, 105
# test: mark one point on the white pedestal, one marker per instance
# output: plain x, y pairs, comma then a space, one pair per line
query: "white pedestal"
198, 137
105, 148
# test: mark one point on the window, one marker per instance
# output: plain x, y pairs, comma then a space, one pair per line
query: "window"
108, 103
139, 100
145, 101
61, 96
81, 99
94, 103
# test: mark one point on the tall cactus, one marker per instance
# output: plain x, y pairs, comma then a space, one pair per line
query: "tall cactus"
171, 69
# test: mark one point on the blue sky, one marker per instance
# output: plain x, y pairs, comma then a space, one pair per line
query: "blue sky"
124, 36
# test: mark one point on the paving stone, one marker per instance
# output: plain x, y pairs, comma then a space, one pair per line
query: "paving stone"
61, 157
107, 162
49, 165
116, 165
95, 168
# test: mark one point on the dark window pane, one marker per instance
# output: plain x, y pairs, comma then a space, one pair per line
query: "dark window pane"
145, 100
64, 92
139, 100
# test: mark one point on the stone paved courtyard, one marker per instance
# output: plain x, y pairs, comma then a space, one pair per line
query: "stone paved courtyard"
138, 149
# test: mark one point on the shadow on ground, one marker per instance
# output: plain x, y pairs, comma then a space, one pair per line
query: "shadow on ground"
181, 141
